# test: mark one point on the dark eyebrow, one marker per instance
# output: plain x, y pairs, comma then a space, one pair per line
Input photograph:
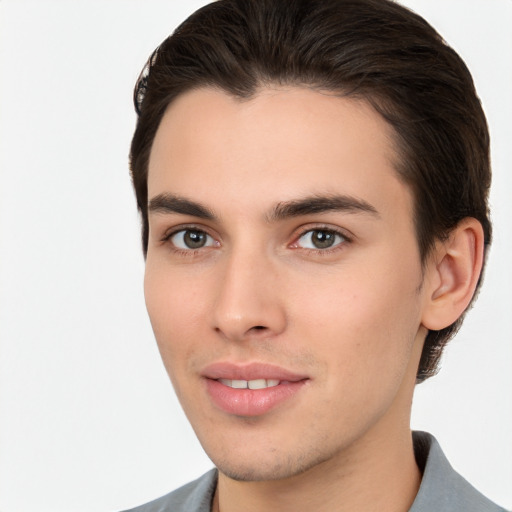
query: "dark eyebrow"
321, 204
169, 203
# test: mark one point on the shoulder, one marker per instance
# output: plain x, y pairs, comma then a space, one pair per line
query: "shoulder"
442, 488
195, 496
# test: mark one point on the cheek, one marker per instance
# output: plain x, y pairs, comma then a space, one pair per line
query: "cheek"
174, 307
358, 331
363, 322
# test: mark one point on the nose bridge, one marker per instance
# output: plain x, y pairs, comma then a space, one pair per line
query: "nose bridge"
248, 301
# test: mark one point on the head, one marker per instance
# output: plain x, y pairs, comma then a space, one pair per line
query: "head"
312, 178
368, 49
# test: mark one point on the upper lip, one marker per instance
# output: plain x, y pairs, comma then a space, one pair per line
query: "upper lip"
249, 371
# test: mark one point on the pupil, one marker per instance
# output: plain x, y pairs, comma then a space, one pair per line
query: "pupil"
194, 239
323, 239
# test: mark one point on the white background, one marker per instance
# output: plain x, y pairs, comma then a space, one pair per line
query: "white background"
88, 420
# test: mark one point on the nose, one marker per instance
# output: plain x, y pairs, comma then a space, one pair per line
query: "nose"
249, 302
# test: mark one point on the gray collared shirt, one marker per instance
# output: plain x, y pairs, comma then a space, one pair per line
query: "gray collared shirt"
442, 489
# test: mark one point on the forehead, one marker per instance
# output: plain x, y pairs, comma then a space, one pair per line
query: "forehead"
280, 144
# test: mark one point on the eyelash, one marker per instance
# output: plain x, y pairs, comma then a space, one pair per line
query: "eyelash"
310, 229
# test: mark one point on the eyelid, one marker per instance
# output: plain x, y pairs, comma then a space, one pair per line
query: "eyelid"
170, 232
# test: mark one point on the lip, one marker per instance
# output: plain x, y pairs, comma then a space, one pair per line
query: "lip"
251, 402
249, 371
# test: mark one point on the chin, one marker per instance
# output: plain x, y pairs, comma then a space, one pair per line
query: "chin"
275, 467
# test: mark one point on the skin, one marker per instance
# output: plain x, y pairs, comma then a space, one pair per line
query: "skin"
351, 317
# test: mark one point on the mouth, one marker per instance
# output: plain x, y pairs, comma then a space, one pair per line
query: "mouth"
251, 390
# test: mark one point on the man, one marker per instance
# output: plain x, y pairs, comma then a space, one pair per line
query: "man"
312, 178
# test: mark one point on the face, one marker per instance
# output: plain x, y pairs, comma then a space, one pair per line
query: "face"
283, 278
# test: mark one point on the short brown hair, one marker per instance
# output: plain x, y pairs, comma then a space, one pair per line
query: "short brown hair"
371, 49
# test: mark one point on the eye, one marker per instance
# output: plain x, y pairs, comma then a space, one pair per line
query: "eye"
320, 239
190, 239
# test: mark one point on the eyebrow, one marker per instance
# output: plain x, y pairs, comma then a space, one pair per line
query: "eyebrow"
170, 203
321, 204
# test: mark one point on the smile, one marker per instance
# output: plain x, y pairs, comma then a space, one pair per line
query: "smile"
254, 397
252, 389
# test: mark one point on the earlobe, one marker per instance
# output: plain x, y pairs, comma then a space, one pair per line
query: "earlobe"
454, 271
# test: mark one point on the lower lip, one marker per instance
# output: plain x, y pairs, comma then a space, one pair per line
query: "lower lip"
251, 402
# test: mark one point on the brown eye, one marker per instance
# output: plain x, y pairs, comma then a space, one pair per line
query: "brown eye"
191, 239
320, 239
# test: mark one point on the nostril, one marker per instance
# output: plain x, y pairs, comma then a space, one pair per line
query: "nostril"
259, 327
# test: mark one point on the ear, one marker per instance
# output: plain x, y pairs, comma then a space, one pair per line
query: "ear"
452, 275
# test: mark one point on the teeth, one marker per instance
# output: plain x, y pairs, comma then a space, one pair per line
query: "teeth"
251, 384
239, 384
257, 384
